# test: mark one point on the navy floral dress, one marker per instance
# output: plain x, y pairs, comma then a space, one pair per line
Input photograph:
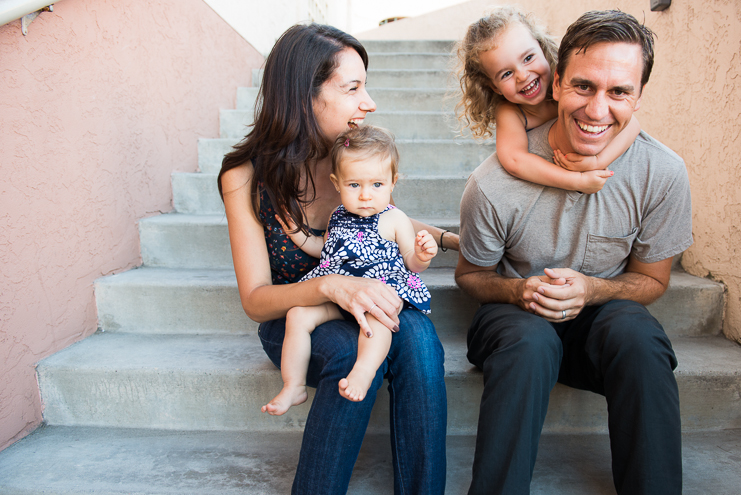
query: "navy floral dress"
354, 247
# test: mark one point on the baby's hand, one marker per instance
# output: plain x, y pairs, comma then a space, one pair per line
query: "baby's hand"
290, 227
594, 180
575, 162
425, 247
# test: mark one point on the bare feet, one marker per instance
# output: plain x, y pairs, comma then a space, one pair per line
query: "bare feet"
357, 383
289, 396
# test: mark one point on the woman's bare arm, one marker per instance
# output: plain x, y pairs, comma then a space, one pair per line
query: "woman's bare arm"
263, 301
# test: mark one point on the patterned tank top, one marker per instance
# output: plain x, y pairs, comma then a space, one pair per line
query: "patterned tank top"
287, 262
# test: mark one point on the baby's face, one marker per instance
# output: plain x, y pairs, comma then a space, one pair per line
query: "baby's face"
365, 184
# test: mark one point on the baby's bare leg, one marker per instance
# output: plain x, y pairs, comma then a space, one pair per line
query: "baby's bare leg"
371, 353
300, 322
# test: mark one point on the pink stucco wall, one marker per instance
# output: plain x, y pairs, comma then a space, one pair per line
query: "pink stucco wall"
98, 105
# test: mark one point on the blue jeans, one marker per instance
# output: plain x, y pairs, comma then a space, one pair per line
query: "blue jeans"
336, 426
617, 350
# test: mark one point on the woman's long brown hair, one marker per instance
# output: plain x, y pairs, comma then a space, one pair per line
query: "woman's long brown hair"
285, 137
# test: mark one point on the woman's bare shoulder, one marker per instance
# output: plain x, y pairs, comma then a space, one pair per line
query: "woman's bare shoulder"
236, 178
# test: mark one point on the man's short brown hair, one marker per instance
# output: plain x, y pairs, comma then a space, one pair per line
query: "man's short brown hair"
607, 26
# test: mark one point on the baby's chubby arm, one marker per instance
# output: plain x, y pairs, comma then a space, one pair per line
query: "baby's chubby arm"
309, 244
416, 249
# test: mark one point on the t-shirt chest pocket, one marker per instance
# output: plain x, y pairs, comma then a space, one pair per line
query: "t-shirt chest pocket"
605, 252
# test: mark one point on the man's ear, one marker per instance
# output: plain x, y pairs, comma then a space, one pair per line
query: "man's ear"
556, 86
638, 101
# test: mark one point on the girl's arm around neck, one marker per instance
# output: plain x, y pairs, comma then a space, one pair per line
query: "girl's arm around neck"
613, 151
513, 155
263, 301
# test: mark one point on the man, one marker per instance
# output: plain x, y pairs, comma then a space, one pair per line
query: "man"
563, 277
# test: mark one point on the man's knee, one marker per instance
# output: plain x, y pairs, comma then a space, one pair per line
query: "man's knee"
506, 330
627, 330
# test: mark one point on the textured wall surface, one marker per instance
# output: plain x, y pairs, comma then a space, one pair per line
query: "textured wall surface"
98, 105
692, 104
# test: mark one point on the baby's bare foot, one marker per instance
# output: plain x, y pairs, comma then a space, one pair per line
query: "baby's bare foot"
289, 396
356, 385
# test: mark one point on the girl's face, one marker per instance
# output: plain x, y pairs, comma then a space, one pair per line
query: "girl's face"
365, 184
343, 100
516, 67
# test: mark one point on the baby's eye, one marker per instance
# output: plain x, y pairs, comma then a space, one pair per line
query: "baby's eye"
354, 185
378, 184
529, 58
506, 74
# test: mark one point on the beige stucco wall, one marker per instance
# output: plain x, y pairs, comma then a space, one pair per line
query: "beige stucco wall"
98, 105
692, 104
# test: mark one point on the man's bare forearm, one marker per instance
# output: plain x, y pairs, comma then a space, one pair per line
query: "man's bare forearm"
490, 287
630, 285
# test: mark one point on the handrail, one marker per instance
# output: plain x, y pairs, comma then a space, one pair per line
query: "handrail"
10, 10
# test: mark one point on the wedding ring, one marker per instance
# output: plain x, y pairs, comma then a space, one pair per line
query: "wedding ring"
371, 309
563, 314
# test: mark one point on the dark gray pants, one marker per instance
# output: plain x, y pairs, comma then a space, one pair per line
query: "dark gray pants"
617, 350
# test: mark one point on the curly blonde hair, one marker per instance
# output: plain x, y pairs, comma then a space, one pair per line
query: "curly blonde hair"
478, 101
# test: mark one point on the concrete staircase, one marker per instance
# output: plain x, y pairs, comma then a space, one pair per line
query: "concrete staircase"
165, 397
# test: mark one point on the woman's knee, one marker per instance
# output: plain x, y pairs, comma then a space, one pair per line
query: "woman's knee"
416, 352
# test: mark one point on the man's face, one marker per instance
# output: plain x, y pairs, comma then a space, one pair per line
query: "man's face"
597, 95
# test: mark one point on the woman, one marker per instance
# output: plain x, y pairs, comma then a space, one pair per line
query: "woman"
313, 89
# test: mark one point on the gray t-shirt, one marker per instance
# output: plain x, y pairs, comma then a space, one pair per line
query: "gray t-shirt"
644, 210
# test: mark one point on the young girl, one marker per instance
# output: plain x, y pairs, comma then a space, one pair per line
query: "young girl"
507, 62
366, 237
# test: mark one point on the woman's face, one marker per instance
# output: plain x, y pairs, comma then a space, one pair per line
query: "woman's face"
343, 100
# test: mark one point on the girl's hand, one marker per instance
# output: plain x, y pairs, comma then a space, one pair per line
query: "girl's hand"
425, 247
359, 296
594, 180
575, 162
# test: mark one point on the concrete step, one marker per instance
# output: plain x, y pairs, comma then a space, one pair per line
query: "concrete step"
406, 46
432, 157
106, 461
404, 124
394, 99
202, 241
206, 301
410, 78
172, 301
193, 301
416, 196
398, 60
219, 382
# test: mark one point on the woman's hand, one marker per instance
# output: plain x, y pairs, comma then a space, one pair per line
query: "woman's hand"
359, 296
